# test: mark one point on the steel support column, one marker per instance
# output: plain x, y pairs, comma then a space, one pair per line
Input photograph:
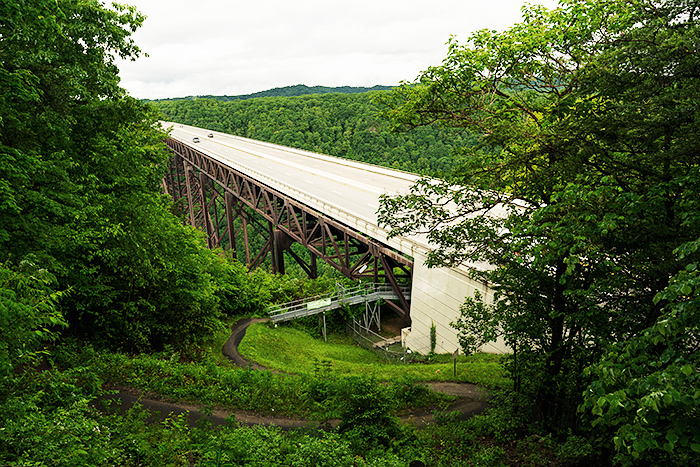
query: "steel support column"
218, 195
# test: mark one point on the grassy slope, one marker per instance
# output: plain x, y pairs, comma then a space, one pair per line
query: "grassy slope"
294, 351
304, 389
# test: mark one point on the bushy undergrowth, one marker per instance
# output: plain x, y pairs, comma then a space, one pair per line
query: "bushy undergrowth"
50, 418
505, 432
50, 415
206, 382
320, 396
77, 434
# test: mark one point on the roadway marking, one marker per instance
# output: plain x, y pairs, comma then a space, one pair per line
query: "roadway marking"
236, 150
372, 189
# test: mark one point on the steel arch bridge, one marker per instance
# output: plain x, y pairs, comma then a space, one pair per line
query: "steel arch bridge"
231, 208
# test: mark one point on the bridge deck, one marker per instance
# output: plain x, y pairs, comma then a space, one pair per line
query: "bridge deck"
348, 192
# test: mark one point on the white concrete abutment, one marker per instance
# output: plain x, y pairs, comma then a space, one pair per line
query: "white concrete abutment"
436, 297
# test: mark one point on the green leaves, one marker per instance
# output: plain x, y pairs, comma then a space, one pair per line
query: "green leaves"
28, 315
584, 181
657, 372
80, 172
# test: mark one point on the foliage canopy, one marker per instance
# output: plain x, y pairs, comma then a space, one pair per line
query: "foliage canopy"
80, 170
585, 181
340, 125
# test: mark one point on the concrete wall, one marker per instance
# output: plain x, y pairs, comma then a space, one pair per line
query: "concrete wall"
436, 296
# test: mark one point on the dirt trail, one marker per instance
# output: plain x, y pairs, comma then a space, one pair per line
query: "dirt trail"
472, 399
230, 348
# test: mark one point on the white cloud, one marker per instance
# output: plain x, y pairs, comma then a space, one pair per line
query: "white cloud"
228, 47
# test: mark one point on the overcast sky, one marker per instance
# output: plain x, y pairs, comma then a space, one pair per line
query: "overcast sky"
233, 47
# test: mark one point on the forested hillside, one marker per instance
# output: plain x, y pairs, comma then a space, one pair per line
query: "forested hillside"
287, 91
341, 125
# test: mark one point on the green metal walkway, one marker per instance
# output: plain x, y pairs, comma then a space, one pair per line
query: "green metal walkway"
363, 293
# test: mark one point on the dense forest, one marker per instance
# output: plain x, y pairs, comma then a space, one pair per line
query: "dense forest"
337, 124
585, 124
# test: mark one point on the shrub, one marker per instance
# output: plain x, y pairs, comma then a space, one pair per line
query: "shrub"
366, 420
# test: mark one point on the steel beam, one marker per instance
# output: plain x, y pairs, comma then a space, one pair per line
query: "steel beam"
217, 195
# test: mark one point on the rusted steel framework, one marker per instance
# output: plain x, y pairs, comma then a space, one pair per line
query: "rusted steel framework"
228, 205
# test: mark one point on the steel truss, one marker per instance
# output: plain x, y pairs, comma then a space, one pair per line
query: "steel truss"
227, 205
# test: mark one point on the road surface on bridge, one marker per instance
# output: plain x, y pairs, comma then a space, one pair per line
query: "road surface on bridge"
343, 189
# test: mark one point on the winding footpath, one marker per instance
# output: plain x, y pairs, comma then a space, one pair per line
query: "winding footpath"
471, 399
230, 348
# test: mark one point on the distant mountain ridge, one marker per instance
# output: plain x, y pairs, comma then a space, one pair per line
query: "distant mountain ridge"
287, 91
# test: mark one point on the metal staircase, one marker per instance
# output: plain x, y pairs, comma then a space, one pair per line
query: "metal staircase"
363, 293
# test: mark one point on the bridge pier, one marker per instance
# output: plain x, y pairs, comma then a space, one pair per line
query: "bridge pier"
436, 297
230, 225
212, 240
282, 243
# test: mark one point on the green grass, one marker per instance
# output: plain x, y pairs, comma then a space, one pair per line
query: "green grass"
294, 351
315, 381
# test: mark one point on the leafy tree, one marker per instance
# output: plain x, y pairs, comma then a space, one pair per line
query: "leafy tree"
81, 165
61, 72
584, 182
645, 392
366, 419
